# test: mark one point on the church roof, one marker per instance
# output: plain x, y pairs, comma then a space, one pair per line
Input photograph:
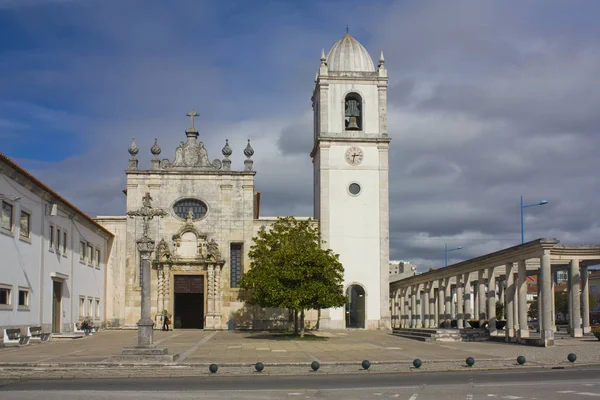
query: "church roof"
349, 55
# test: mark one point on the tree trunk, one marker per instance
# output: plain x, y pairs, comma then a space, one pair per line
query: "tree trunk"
295, 321
302, 323
318, 319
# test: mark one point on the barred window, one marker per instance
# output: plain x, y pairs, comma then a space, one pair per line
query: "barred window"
235, 264
197, 207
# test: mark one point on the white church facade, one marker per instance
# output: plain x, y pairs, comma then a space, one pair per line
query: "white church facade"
212, 213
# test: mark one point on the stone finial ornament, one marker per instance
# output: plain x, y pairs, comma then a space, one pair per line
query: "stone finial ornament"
227, 149
227, 152
248, 152
155, 150
381, 59
133, 151
323, 59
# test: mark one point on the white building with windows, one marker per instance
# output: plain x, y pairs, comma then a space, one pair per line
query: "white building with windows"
53, 268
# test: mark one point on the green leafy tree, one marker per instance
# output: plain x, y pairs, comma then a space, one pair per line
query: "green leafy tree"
290, 270
532, 312
561, 303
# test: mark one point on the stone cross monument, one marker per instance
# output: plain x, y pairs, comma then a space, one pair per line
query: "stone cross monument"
145, 351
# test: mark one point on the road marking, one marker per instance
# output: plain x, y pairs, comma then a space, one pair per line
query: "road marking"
393, 348
588, 394
469, 397
192, 349
511, 397
279, 351
414, 396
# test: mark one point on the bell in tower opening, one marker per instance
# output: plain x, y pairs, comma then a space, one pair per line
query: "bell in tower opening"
353, 108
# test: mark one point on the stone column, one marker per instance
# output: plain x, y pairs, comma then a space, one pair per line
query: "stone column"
467, 296
441, 304
475, 300
409, 292
492, 302
547, 330
432, 311
394, 308
553, 303
167, 289
460, 303
585, 299
481, 294
210, 298
404, 308
540, 300
413, 307
145, 246
509, 299
426, 300
448, 305
420, 314
218, 297
161, 284
522, 300
574, 296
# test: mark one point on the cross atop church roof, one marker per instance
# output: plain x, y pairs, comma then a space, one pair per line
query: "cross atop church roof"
192, 114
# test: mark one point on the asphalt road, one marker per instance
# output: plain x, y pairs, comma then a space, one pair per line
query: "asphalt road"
569, 383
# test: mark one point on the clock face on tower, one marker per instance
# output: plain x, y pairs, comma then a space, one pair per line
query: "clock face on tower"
354, 155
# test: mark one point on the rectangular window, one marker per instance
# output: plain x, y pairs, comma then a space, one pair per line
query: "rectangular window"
97, 309
51, 246
82, 251
235, 264
97, 257
89, 308
64, 242
23, 298
25, 223
81, 307
5, 292
90, 254
58, 238
7, 216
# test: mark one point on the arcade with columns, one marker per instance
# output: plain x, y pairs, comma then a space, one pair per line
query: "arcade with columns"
470, 290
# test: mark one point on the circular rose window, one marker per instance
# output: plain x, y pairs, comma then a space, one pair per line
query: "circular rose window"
195, 208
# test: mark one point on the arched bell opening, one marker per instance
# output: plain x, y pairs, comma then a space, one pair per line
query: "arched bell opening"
353, 112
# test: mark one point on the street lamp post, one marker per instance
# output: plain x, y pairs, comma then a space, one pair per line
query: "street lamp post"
541, 203
446, 250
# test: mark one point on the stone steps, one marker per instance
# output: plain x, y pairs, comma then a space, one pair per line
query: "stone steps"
443, 335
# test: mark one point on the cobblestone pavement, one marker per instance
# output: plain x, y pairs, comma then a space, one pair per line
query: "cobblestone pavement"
237, 352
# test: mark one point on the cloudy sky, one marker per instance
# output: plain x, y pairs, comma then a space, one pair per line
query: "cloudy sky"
488, 101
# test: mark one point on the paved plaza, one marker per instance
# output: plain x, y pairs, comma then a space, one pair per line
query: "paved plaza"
237, 352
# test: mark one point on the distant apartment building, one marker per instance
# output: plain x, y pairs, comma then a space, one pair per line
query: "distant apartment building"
401, 269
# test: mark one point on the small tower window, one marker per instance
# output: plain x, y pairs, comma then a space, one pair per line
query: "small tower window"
353, 113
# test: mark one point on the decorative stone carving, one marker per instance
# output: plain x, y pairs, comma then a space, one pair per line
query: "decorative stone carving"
226, 151
248, 152
133, 151
163, 253
213, 251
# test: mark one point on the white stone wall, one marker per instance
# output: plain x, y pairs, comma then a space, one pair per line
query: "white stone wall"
115, 270
32, 264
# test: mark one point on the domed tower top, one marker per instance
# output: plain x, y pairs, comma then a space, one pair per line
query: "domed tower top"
348, 55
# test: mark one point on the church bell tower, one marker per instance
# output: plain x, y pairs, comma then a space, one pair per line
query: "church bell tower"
351, 188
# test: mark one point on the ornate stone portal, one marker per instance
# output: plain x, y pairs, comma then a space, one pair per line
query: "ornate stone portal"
190, 253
